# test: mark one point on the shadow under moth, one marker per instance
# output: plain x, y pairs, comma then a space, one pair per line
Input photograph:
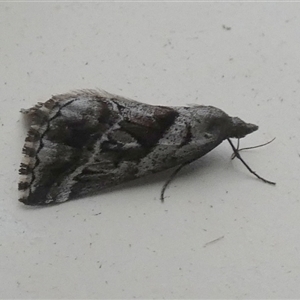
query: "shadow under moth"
82, 142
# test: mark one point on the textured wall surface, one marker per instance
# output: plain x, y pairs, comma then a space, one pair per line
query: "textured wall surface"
123, 243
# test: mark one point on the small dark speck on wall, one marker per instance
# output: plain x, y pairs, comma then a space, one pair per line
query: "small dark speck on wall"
226, 27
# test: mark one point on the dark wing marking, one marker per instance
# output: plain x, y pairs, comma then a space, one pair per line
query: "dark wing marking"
148, 130
121, 152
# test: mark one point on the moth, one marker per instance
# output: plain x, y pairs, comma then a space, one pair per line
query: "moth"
83, 142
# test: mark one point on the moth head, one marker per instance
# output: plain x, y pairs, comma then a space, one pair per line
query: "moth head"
240, 129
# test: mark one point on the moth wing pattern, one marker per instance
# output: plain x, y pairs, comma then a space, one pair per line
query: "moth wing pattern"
82, 142
126, 143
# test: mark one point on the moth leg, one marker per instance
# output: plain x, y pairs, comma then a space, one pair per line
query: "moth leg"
237, 154
162, 198
233, 156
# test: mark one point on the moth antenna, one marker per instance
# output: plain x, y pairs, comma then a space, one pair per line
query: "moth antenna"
237, 154
162, 193
248, 148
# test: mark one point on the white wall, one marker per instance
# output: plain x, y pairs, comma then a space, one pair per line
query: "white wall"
168, 54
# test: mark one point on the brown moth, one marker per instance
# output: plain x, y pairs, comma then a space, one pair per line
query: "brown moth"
82, 142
